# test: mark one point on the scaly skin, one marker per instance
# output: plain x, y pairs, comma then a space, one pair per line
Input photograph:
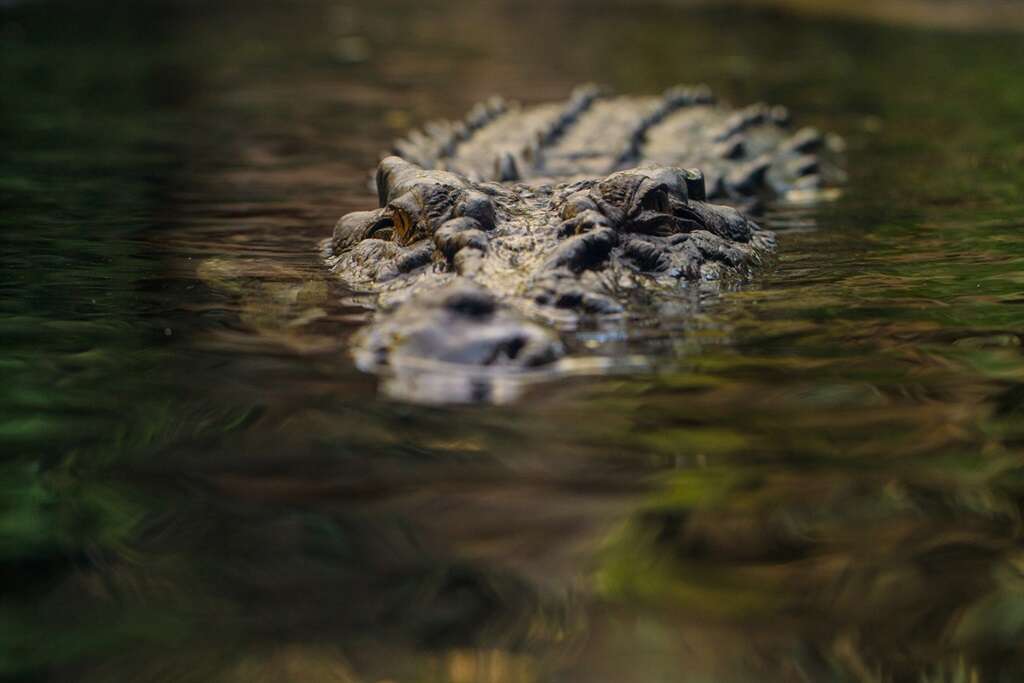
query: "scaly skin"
467, 272
742, 153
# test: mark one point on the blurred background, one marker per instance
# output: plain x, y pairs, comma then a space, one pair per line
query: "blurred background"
820, 477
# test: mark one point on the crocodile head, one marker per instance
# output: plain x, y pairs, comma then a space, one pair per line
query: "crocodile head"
483, 274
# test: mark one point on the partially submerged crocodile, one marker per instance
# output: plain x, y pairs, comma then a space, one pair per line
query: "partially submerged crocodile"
494, 232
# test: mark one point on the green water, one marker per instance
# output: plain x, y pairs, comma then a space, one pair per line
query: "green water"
819, 478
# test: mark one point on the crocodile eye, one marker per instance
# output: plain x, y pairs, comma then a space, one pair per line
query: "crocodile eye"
401, 225
384, 229
656, 200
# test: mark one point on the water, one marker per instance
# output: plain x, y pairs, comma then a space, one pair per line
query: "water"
820, 477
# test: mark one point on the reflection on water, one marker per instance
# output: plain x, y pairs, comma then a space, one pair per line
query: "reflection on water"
815, 478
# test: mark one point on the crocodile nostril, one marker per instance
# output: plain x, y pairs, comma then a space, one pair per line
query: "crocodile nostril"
470, 302
513, 346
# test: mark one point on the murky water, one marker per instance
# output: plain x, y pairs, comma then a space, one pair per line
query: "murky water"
820, 477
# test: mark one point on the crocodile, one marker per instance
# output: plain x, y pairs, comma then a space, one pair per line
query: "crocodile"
494, 236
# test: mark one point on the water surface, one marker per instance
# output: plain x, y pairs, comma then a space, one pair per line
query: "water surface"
819, 477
